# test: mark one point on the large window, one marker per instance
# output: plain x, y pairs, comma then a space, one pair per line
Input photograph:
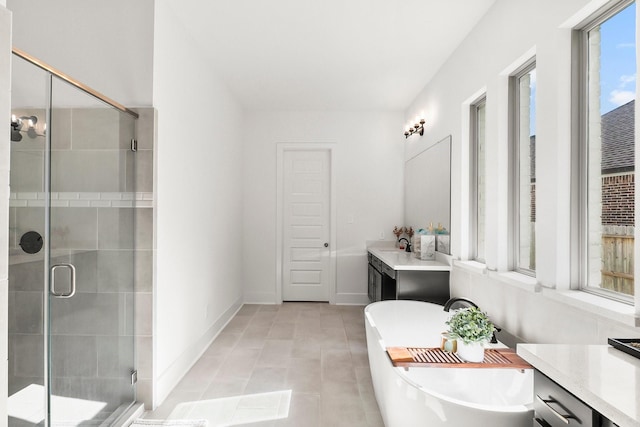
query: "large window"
478, 142
607, 152
523, 91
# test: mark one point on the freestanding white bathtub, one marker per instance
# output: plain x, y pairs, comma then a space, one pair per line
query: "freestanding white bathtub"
438, 396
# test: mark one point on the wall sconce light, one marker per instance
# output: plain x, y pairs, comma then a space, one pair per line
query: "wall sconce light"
417, 128
18, 124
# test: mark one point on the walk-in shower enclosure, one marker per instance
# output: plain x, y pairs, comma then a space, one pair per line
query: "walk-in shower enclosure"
71, 262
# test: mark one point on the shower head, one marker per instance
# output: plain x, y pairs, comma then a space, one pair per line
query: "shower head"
17, 124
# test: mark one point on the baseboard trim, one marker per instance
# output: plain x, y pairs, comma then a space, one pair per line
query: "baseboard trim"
270, 298
167, 381
352, 299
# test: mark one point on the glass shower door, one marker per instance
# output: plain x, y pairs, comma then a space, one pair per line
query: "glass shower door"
71, 254
91, 247
29, 105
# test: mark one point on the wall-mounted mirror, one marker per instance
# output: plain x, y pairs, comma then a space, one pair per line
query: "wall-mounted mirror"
427, 188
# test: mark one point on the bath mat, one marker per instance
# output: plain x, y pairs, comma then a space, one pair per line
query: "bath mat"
141, 422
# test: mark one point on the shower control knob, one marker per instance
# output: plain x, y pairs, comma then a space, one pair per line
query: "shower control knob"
31, 242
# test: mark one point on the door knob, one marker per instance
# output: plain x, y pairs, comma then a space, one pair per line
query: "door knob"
326, 245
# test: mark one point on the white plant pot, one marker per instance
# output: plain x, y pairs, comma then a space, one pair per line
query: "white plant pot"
472, 352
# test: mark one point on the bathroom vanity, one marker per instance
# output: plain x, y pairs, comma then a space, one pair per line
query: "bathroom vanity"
587, 385
396, 274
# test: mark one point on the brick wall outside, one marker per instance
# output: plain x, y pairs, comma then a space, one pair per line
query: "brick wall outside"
533, 202
618, 199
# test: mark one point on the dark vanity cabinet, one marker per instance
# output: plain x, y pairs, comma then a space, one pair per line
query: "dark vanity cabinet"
374, 282
430, 286
381, 281
556, 407
411, 280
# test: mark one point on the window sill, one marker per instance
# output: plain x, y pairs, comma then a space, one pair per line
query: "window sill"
518, 280
585, 301
472, 266
605, 307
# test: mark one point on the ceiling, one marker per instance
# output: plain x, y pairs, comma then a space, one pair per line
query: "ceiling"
328, 54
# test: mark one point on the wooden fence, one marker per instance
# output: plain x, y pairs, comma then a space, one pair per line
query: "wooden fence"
617, 263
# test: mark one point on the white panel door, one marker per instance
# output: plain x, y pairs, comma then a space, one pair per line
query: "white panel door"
306, 225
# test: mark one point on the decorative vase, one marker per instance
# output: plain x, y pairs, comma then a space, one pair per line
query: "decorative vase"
427, 247
447, 343
471, 352
442, 243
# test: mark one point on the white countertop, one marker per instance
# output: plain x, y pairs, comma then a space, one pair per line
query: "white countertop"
603, 377
400, 260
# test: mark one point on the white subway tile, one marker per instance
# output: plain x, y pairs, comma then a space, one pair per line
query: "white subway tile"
122, 203
90, 196
144, 204
68, 196
111, 196
27, 196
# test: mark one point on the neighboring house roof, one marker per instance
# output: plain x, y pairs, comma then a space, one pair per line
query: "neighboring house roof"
618, 139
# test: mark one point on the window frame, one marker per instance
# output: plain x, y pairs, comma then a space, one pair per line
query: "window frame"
514, 146
581, 148
475, 171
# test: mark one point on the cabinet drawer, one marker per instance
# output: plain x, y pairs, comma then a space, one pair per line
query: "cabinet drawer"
556, 407
388, 270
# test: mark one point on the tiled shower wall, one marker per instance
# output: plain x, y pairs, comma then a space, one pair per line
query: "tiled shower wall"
103, 227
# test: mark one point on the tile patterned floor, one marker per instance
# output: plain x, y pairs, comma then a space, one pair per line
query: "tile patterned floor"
295, 364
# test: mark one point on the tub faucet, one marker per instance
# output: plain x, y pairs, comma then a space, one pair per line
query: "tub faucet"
407, 246
463, 302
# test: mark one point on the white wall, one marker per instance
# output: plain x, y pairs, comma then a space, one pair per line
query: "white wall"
107, 45
510, 33
369, 181
199, 198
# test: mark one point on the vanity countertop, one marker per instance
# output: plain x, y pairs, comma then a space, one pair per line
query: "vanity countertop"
601, 376
400, 260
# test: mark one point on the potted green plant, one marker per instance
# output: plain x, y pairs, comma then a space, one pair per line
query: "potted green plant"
471, 328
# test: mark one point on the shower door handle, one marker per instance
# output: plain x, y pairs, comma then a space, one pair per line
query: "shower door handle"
72, 279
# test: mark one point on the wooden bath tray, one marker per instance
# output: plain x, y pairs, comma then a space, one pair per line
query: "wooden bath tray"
412, 357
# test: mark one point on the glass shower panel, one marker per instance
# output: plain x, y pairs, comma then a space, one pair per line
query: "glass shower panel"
92, 227
26, 378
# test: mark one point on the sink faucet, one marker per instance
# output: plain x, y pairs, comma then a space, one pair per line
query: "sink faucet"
407, 246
